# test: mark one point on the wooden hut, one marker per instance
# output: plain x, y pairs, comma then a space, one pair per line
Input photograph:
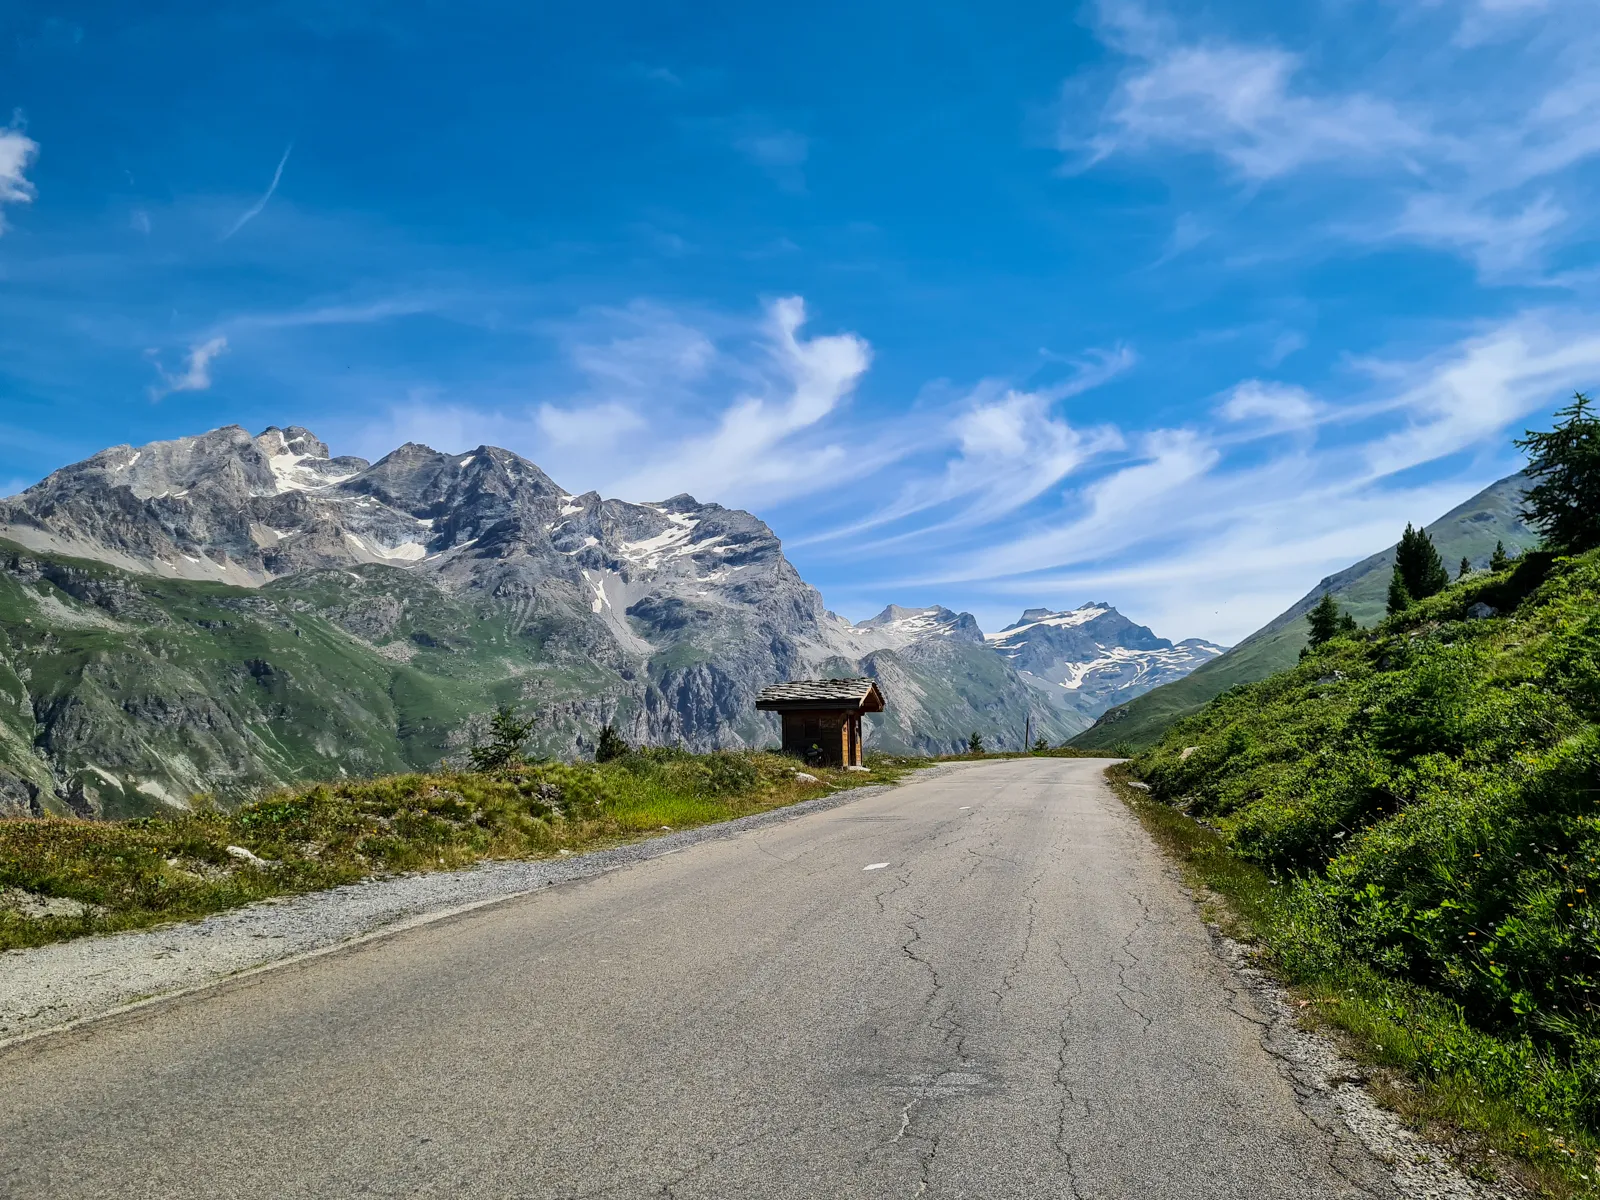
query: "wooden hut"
822, 717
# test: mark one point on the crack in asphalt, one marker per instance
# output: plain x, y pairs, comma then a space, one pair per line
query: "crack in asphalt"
1069, 1099
927, 1166
1007, 981
1124, 989
905, 948
902, 881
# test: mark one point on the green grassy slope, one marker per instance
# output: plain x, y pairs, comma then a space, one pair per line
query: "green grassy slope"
1424, 794
134, 693
1470, 529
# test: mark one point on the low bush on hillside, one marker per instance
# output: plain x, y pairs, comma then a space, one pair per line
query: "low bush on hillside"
1423, 801
60, 878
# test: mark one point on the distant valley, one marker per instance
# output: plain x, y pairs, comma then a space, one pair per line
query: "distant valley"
230, 612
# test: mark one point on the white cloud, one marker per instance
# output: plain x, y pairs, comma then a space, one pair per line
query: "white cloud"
642, 348
196, 373
1275, 405
1003, 448
1499, 243
670, 401
1207, 529
757, 444
17, 153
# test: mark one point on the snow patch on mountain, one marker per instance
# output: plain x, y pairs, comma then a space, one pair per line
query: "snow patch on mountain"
896, 627
1035, 617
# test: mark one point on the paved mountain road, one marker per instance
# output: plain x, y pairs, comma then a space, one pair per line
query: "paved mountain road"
1022, 1003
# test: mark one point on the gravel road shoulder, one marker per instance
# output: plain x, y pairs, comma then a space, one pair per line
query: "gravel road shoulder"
45, 988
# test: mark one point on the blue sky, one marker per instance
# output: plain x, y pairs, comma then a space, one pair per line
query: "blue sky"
991, 307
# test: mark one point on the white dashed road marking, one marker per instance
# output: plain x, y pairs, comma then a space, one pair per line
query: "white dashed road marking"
874, 866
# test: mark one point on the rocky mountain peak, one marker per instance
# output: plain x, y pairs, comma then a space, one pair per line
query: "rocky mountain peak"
294, 440
1092, 656
897, 626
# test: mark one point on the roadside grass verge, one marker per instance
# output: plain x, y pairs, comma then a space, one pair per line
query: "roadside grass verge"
63, 878
1499, 1105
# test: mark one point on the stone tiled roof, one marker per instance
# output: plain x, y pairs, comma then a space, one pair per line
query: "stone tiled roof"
818, 693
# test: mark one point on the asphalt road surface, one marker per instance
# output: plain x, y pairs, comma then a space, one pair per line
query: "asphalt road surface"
983, 984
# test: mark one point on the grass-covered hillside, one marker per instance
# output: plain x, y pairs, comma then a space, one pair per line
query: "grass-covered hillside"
1470, 530
125, 694
1426, 797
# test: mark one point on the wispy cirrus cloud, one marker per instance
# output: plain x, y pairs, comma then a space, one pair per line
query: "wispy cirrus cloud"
1000, 490
996, 450
1285, 485
663, 401
1470, 393
1242, 103
255, 210
1439, 164
769, 439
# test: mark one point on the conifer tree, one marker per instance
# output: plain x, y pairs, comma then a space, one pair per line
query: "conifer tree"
975, 743
611, 745
1466, 568
507, 735
1499, 560
1399, 594
1564, 462
1419, 565
1323, 619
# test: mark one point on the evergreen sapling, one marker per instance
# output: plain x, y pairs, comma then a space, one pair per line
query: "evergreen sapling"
1399, 596
508, 733
611, 745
